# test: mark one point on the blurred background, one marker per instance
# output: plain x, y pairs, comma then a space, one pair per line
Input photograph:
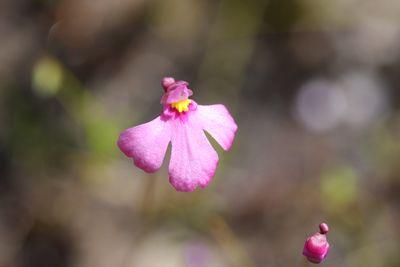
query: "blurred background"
313, 86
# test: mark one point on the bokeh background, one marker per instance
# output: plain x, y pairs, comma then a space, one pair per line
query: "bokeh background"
313, 86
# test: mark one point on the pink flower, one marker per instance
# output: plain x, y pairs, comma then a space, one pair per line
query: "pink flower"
182, 122
316, 247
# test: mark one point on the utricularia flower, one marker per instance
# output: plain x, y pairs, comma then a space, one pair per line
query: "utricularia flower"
182, 122
316, 247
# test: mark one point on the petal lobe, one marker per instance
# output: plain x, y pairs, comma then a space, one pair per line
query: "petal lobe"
218, 122
193, 159
146, 144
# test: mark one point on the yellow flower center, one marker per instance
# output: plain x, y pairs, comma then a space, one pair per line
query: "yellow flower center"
182, 105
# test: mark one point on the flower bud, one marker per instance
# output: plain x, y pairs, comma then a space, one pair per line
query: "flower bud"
166, 82
323, 228
316, 247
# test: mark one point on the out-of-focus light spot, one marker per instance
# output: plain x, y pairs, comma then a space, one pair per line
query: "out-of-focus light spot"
47, 77
367, 99
320, 105
172, 251
197, 254
338, 188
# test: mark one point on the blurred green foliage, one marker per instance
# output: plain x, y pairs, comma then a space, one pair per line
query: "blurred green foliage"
339, 188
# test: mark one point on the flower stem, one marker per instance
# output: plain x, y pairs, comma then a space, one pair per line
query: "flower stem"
304, 262
147, 202
230, 243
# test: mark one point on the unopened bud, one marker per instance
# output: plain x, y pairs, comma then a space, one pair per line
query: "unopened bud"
316, 247
323, 228
166, 82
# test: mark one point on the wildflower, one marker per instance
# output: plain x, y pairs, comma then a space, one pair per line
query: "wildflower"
316, 247
182, 122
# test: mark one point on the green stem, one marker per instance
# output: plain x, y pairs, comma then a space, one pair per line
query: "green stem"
304, 262
230, 243
147, 202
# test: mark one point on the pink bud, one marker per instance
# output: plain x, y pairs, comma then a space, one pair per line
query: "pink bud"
166, 82
323, 228
316, 247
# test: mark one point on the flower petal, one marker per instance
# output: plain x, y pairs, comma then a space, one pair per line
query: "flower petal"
193, 159
218, 122
146, 143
